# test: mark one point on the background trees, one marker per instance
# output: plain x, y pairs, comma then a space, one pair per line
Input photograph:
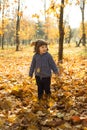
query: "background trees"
16, 28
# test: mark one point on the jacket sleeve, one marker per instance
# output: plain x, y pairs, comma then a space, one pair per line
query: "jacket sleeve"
32, 66
53, 65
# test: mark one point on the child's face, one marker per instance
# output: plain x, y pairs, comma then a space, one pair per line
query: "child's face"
43, 49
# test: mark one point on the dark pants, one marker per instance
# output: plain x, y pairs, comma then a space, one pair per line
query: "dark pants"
43, 85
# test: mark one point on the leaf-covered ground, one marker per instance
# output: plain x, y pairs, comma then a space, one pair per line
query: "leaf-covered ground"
67, 107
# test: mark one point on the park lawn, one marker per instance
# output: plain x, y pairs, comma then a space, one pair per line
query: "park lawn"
67, 107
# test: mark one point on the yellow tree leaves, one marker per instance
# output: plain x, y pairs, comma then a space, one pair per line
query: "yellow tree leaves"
51, 29
6, 21
80, 29
29, 31
35, 16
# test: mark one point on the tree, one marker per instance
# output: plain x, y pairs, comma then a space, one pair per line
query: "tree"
68, 34
40, 31
82, 7
51, 29
57, 7
45, 19
4, 4
26, 34
83, 38
18, 27
10, 31
0, 24
2, 40
61, 33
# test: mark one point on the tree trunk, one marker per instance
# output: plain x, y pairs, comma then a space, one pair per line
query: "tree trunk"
2, 38
61, 33
83, 26
46, 28
18, 28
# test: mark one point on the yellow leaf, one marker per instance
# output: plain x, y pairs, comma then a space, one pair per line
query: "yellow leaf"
1, 32
20, 13
68, 94
51, 102
12, 118
35, 16
16, 88
65, 88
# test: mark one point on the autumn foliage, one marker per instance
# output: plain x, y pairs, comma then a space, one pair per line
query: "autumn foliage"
67, 107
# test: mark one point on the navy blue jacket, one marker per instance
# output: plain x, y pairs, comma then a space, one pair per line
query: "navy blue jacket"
42, 65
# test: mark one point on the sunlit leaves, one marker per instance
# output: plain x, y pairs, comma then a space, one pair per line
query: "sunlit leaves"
81, 29
11, 118
3, 29
75, 119
1, 32
66, 1
35, 16
77, 2
20, 13
54, 8
19, 107
29, 31
51, 28
15, 1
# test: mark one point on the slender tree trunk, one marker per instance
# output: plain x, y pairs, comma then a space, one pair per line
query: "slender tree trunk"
83, 26
2, 38
46, 28
18, 28
61, 33
0, 34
